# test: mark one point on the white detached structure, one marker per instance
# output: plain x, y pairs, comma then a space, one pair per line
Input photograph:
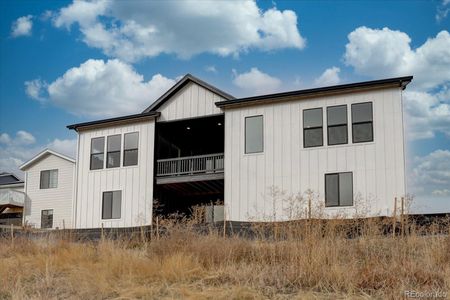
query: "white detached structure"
49, 190
197, 145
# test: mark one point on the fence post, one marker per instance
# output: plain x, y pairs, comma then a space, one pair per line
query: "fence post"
394, 217
12, 234
402, 216
157, 228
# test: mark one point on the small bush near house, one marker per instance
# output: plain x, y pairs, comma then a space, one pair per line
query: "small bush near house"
280, 261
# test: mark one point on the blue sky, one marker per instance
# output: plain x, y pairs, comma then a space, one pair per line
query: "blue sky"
64, 62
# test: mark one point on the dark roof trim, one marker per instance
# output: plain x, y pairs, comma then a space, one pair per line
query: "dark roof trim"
398, 81
112, 121
179, 85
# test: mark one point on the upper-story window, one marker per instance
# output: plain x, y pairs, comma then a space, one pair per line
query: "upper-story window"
362, 122
254, 134
49, 179
130, 149
312, 127
97, 153
113, 151
337, 125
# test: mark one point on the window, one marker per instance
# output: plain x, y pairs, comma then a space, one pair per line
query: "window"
97, 153
254, 135
111, 206
362, 122
337, 125
47, 218
130, 151
312, 127
339, 189
49, 179
113, 151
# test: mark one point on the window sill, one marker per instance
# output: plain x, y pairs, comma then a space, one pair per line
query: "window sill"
253, 154
113, 169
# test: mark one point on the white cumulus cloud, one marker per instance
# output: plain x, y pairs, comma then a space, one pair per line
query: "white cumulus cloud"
256, 82
385, 52
35, 89
426, 114
329, 77
100, 88
134, 30
431, 173
22, 26
16, 150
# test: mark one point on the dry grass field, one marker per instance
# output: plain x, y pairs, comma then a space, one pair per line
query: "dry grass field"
300, 261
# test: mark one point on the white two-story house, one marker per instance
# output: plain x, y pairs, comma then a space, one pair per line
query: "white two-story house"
338, 149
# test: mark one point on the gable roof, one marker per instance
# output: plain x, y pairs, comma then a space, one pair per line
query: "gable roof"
42, 155
9, 178
114, 121
179, 85
322, 91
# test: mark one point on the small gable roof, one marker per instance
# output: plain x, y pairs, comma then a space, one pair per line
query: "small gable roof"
179, 85
9, 178
42, 155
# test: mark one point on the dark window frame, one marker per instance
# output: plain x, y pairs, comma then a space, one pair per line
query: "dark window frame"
41, 187
311, 128
361, 123
339, 189
125, 150
47, 225
245, 134
112, 205
112, 152
97, 153
338, 125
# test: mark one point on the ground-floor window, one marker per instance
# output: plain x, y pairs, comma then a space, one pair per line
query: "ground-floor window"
47, 218
111, 206
339, 189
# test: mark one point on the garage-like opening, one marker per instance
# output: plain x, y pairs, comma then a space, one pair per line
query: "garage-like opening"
189, 167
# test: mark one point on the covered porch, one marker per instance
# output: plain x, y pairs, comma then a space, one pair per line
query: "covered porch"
189, 164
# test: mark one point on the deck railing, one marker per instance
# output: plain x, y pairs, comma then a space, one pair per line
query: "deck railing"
190, 165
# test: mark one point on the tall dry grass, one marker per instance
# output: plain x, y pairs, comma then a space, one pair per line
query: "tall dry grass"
296, 260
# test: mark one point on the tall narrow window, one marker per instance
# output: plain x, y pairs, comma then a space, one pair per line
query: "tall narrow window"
113, 151
49, 179
254, 134
337, 125
47, 218
111, 206
362, 122
130, 149
97, 153
312, 127
339, 189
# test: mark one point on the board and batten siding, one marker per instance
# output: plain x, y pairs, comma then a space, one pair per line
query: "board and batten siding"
59, 199
378, 166
191, 101
135, 182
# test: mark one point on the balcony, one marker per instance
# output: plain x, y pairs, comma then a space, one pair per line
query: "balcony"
11, 199
190, 168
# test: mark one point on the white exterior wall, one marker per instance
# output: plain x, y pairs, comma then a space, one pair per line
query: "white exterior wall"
190, 102
378, 166
59, 199
135, 182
